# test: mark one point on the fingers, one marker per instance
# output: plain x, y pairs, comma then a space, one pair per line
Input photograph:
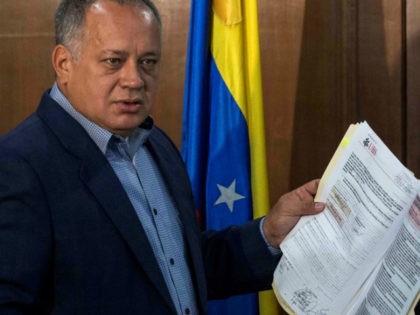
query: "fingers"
319, 206
312, 186
289, 209
301, 200
302, 207
308, 190
311, 189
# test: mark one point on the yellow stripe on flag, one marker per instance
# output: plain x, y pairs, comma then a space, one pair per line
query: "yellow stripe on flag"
235, 49
229, 11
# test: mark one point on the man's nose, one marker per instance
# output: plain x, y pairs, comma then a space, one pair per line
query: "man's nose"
131, 76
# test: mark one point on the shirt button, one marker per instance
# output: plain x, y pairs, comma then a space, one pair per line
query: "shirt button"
155, 211
187, 311
172, 261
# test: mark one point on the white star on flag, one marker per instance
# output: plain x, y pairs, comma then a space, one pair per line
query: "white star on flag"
228, 195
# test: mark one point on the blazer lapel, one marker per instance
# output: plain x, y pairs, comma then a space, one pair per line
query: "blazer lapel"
104, 184
101, 180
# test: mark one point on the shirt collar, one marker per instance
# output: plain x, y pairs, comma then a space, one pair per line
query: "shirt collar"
98, 134
138, 137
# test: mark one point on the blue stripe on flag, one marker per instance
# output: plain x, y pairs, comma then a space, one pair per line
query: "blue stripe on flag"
196, 106
215, 147
228, 159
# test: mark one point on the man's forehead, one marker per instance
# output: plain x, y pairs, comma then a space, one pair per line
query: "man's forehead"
109, 13
103, 7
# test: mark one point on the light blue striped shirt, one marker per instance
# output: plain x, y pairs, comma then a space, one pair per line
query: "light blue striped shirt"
143, 183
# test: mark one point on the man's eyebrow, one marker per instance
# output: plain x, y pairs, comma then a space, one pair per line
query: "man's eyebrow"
123, 53
114, 52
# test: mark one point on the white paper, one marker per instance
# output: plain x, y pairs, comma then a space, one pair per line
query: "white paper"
398, 280
328, 257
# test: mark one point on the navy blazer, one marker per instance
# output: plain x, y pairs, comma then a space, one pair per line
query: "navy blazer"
71, 242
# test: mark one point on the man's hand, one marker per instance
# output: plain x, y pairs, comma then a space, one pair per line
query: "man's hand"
288, 210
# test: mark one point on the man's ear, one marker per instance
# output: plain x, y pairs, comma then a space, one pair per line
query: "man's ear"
62, 62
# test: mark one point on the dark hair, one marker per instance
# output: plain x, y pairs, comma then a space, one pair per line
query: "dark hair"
70, 16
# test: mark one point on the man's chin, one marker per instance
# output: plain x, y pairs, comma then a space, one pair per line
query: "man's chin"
127, 128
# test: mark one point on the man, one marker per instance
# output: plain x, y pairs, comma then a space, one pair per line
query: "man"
96, 210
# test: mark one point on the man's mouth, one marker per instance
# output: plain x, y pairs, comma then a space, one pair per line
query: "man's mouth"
134, 101
129, 105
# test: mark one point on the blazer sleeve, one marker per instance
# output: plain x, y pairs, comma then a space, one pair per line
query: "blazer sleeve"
237, 261
25, 238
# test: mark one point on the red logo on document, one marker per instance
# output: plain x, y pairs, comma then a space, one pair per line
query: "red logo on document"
370, 146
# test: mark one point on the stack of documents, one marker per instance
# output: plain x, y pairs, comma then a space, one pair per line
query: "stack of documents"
362, 254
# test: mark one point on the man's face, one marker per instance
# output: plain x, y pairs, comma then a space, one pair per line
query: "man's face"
113, 80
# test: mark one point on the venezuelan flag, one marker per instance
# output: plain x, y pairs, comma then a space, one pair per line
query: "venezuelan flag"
223, 128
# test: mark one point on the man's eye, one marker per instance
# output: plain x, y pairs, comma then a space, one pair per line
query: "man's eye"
113, 61
149, 62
